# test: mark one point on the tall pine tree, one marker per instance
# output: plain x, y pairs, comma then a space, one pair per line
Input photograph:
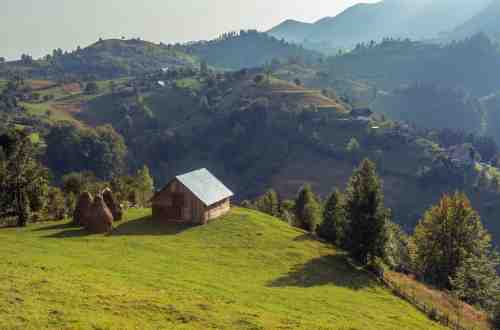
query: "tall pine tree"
366, 215
307, 209
332, 228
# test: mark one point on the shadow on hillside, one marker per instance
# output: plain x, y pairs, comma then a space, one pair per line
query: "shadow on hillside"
146, 226
331, 269
66, 225
305, 237
73, 232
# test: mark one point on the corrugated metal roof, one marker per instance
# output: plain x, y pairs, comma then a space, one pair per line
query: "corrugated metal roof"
205, 186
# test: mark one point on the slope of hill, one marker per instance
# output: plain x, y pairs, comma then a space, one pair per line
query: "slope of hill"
392, 63
245, 271
389, 18
105, 59
247, 49
487, 21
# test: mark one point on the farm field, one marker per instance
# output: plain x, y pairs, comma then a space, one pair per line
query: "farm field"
244, 271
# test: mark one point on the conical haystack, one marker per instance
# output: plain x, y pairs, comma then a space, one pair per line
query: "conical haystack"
101, 220
112, 204
83, 209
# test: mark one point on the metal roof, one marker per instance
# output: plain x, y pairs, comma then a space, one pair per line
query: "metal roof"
205, 186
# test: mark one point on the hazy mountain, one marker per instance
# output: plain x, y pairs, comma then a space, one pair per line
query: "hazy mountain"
487, 21
389, 18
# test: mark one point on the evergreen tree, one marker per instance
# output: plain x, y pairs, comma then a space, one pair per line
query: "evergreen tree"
269, 203
307, 209
446, 238
333, 226
366, 214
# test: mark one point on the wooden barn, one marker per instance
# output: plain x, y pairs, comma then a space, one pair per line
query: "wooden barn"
196, 197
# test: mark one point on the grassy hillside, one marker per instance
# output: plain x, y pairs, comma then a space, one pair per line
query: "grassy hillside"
245, 271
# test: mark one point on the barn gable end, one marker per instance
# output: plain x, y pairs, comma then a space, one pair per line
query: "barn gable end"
196, 197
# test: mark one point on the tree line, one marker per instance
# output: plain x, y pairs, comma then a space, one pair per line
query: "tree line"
449, 249
27, 193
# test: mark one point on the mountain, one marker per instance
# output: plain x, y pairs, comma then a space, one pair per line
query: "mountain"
392, 63
243, 271
104, 59
487, 21
389, 18
247, 49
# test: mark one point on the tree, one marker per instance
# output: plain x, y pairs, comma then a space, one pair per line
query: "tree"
2, 60
447, 235
366, 215
307, 209
269, 203
23, 180
91, 88
144, 185
297, 82
476, 281
333, 226
56, 204
353, 146
203, 68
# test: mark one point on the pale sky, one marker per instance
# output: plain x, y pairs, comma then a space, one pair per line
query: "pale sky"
38, 26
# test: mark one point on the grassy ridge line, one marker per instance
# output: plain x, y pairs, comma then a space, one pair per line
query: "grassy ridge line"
245, 271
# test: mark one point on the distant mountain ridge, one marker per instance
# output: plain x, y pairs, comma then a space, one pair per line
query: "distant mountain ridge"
390, 18
487, 21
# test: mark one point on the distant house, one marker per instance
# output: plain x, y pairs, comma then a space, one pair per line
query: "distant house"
196, 197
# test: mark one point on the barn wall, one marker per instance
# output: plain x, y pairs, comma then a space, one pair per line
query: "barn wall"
192, 211
217, 210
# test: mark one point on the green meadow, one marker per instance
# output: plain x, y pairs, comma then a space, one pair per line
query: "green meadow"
244, 271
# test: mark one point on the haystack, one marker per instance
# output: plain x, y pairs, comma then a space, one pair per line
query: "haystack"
101, 219
83, 209
114, 207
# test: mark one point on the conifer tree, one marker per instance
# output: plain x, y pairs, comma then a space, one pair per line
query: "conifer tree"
307, 209
333, 225
366, 215
269, 203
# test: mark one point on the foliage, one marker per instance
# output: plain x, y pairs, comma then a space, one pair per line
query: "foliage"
453, 250
246, 49
307, 209
476, 281
23, 180
144, 186
101, 150
366, 215
333, 227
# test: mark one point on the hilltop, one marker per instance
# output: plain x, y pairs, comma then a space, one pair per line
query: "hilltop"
104, 59
246, 270
389, 18
247, 49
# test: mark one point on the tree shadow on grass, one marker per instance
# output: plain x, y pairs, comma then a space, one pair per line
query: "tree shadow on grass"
65, 225
146, 226
326, 270
71, 233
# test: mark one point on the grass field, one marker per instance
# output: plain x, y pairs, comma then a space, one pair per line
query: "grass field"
245, 271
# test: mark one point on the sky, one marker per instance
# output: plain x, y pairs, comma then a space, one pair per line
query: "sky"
36, 27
